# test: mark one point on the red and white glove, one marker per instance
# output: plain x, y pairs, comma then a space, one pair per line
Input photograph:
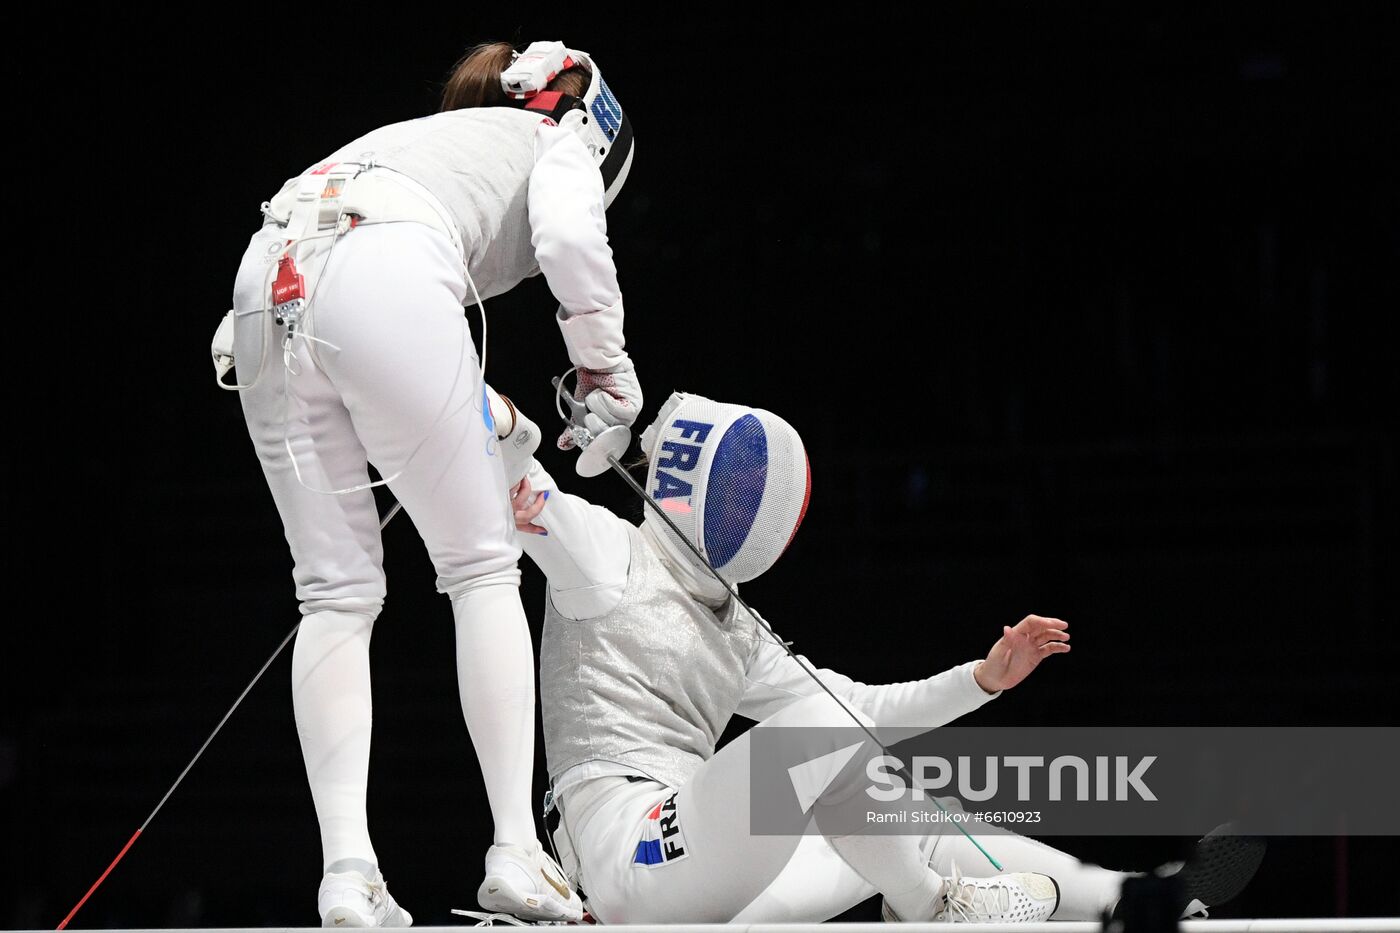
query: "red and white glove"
606, 379
612, 398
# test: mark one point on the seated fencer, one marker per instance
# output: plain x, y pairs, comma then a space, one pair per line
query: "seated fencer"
645, 658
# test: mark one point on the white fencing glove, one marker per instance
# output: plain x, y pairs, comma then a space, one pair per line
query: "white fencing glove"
519, 437
606, 380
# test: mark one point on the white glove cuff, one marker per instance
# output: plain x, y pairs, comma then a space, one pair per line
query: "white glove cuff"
594, 340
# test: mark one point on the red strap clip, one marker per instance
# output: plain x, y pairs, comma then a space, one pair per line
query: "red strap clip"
289, 284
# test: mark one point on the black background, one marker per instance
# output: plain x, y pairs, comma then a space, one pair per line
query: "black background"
1081, 310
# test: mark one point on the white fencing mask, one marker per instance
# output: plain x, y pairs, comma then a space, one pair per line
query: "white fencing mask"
734, 479
596, 117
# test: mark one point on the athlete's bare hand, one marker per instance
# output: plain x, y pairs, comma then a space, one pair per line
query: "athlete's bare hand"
526, 511
1019, 650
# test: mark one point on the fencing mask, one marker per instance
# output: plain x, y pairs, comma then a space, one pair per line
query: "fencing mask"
597, 117
734, 479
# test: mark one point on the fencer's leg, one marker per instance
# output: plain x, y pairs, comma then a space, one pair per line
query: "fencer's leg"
338, 570
816, 884
331, 696
728, 873
493, 648
334, 713
830, 874
707, 866
892, 864
1086, 890
404, 363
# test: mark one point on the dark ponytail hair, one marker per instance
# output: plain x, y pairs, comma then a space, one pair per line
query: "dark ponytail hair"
476, 79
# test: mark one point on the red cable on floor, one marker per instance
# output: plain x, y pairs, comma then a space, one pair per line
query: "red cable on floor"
80, 903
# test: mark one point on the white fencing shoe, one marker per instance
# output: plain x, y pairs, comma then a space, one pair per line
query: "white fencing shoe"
349, 899
528, 884
1020, 897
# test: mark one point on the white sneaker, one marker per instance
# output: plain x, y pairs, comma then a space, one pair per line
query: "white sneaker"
528, 884
1020, 897
349, 899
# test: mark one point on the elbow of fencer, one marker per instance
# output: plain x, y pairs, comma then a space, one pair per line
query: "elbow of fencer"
559, 249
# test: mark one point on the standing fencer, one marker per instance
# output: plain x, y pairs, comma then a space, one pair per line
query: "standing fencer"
645, 659
352, 349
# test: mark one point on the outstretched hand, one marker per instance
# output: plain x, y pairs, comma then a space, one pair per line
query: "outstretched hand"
1019, 650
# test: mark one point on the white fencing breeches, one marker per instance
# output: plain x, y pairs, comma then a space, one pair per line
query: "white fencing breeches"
728, 875
391, 379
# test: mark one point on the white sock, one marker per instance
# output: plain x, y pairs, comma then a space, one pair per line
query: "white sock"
496, 678
334, 713
894, 865
344, 865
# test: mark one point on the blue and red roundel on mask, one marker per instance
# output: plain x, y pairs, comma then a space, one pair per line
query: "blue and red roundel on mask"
738, 475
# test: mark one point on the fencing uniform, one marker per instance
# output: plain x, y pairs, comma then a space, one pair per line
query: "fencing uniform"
381, 369
640, 673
